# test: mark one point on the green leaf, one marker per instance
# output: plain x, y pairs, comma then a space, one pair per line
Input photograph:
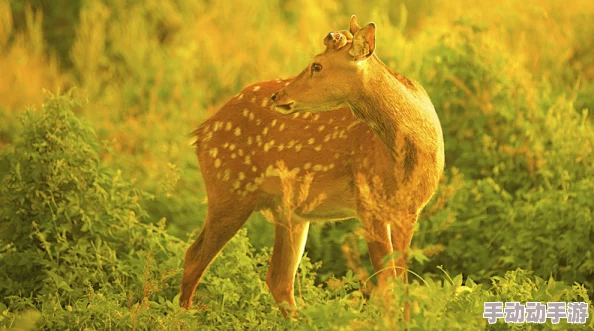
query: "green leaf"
59, 281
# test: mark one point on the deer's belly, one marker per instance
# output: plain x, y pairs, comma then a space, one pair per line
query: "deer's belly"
326, 200
325, 215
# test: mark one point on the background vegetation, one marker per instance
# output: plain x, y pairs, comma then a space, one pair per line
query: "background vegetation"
100, 192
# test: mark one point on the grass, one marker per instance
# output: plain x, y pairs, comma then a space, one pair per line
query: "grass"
129, 81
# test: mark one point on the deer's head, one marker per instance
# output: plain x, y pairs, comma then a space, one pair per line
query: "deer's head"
334, 76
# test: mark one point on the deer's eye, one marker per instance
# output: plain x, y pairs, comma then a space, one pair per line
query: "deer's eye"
316, 67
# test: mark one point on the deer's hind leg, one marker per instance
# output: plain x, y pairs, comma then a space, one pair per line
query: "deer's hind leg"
289, 244
223, 220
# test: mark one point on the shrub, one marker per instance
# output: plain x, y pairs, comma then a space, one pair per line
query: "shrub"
71, 235
525, 196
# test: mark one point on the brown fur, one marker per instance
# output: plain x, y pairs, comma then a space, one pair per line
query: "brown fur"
379, 160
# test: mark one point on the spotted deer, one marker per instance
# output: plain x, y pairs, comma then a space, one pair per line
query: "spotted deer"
370, 137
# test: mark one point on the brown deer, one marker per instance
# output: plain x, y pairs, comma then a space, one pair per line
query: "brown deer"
370, 137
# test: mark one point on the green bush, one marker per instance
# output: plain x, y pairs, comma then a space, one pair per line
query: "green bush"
83, 237
525, 199
72, 238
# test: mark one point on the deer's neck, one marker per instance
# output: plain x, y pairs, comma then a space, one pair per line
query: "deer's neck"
398, 111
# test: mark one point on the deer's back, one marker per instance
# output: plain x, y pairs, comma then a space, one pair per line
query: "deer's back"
238, 149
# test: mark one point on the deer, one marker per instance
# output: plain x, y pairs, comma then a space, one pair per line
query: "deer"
371, 138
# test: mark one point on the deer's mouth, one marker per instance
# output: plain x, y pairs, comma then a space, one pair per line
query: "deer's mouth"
285, 109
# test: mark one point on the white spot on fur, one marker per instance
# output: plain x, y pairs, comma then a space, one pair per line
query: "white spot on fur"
208, 137
272, 171
352, 125
217, 126
250, 187
268, 145
236, 184
259, 180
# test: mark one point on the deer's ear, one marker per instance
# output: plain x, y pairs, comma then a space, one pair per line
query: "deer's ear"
353, 26
363, 42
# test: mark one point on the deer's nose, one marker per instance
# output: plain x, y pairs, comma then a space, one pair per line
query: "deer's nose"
273, 96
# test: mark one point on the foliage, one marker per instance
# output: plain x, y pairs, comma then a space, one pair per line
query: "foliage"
99, 198
529, 183
72, 238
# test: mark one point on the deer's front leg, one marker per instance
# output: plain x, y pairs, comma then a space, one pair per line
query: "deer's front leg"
379, 244
401, 233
